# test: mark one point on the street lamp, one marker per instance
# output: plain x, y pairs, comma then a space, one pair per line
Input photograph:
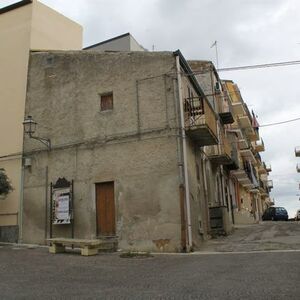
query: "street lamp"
30, 127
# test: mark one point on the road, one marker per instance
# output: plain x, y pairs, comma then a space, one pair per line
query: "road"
258, 237
33, 273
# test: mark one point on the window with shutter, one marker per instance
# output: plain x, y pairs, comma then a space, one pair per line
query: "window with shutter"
106, 101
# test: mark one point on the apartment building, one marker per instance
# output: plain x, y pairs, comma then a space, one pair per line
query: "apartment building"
252, 175
236, 179
219, 159
24, 26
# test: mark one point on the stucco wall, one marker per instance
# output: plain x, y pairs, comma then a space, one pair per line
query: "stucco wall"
32, 26
14, 49
124, 42
119, 44
134, 144
51, 30
15, 31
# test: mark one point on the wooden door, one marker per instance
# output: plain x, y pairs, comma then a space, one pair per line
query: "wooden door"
105, 209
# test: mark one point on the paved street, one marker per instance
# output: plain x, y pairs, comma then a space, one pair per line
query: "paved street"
35, 274
258, 237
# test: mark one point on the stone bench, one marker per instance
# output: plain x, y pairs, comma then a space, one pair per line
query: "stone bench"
88, 247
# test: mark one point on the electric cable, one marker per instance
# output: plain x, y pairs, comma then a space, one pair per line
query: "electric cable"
278, 123
261, 66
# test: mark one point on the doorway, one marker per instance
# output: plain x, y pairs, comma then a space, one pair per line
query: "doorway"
105, 209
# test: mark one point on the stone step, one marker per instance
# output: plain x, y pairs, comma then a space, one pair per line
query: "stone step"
108, 244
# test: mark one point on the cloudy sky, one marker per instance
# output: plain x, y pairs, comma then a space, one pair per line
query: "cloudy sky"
248, 32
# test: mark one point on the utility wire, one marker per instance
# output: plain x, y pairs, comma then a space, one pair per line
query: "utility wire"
261, 66
278, 123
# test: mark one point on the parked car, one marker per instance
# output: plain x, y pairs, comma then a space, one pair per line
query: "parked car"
275, 214
297, 218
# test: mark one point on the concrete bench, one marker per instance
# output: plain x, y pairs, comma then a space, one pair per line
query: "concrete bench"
88, 247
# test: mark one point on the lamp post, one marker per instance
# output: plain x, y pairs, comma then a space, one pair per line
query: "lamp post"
30, 127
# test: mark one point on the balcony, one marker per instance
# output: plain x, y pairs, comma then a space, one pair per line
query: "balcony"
243, 144
235, 163
270, 184
225, 153
220, 154
253, 134
238, 108
226, 114
269, 168
264, 178
243, 178
254, 190
297, 151
246, 176
264, 191
269, 202
247, 154
200, 122
259, 146
262, 169
244, 122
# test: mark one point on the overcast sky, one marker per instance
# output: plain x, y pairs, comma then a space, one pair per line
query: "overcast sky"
247, 31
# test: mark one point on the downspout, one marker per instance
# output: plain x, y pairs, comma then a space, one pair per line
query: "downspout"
20, 215
184, 153
46, 202
203, 167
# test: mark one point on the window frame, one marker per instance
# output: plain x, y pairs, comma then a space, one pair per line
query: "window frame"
106, 107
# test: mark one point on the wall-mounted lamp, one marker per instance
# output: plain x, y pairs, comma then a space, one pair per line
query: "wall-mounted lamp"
30, 127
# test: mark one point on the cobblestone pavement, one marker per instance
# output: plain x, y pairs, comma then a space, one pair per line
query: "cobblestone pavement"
35, 274
258, 237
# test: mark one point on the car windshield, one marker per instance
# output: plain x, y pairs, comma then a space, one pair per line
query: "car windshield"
280, 209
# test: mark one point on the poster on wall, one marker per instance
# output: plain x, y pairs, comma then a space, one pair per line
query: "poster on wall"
62, 206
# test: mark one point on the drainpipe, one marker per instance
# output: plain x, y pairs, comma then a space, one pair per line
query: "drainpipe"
20, 215
184, 153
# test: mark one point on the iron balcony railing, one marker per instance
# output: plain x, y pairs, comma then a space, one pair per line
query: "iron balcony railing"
198, 112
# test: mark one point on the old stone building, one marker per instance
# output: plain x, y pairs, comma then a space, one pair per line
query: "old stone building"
157, 153
118, 129
152, 145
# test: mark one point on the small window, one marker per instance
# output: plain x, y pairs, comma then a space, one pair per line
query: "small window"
106, 101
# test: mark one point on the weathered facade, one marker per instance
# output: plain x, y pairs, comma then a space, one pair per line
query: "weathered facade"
159, 153
219, 159
252, 176
138, 146
235, 176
